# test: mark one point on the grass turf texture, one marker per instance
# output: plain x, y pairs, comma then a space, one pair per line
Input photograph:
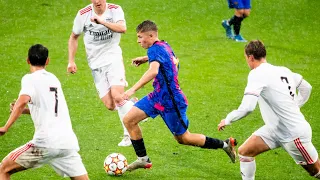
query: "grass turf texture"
213, 76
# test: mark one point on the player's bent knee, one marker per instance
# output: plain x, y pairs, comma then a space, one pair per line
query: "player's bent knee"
126, 121
109, 105
180, 141
245, 15
3, 169
243, 151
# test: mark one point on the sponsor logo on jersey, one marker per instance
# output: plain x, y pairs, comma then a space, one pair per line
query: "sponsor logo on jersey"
101, 35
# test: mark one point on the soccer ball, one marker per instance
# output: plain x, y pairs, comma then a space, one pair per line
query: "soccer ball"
115, 164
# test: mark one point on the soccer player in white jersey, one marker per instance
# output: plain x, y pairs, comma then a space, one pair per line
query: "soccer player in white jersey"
102, 24
54, 141
274, 88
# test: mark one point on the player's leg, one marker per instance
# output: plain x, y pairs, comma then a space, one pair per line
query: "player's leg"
304, 153
23, 158
117, 81
8, 167
242, 11
105, 77
226, 24
253, 146
260, 141
141, 110
203, 141
313, 169
68, 163
123, 107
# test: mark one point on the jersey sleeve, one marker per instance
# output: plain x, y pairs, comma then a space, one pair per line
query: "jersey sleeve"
118, 14
78, 24
254, 85
297, 79
27, 87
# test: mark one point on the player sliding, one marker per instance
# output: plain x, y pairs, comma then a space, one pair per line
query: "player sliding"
274, 88
167, 99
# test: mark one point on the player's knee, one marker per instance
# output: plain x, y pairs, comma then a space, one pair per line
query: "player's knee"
244, 151
118, 99
3, 170
182, 140
239, 12
108, 103
126, 121
110, 106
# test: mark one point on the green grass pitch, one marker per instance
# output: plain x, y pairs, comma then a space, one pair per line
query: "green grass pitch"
213, 75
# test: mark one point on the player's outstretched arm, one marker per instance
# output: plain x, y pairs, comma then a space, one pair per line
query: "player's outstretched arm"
139, 60
150, 74
72, 49
248, 104
18, 108
25, 110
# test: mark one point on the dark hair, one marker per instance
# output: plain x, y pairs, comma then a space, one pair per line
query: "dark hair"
256, 48
38, 55
146, 26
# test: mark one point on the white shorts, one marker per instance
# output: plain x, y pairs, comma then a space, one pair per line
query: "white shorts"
301, 150
66, 162
109, 75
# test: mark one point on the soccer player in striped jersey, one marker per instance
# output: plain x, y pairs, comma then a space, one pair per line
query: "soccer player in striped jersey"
54, 141
167, 99
274, 88
102, 24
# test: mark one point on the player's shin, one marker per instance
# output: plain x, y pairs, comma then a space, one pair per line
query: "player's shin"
139, 148
247, 167
123, 108
212, 143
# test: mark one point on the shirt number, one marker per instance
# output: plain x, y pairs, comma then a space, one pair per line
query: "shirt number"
54, 89
285, 79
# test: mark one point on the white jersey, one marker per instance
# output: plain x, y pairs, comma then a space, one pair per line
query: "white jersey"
49, 111
99, 41
276, 88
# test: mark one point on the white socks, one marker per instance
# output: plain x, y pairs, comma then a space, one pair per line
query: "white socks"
123, 108
247, 167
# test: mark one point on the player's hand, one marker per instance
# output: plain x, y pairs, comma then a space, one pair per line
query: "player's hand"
139, 60
97, 20
72, 68
128, 94
12, 105
3, 130
222, 125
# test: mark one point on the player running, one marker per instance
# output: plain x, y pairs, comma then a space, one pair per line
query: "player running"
102, 24
167, 99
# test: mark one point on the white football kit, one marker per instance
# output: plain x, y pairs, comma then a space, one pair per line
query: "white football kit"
54, 141
274, 88
104, 54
